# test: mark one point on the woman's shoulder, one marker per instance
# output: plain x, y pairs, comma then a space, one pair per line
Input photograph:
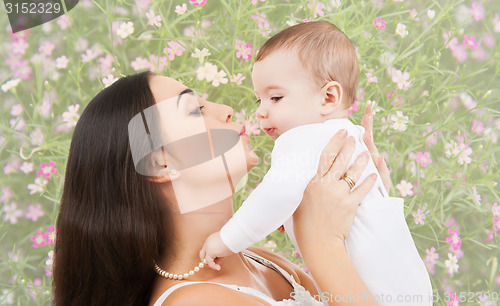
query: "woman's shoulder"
297, 273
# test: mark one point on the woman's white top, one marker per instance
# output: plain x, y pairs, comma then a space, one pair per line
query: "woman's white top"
300, 296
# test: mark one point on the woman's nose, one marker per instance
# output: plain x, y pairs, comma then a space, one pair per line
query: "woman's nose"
226, 112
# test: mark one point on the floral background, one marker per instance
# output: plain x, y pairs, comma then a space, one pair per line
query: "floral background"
430, 67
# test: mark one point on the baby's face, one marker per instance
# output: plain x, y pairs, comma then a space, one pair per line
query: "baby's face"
286, 93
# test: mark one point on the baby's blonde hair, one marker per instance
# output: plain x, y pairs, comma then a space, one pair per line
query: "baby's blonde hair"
322, 48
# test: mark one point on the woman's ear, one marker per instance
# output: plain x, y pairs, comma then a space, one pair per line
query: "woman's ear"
331, 97
161, 171
165, 175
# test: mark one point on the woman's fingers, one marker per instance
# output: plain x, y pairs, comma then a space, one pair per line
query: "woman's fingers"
337, 170
356, 169
330, 152
362, 190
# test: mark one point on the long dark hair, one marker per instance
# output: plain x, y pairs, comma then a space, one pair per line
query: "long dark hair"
112, 222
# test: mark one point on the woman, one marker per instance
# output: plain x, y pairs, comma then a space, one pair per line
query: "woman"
115, 225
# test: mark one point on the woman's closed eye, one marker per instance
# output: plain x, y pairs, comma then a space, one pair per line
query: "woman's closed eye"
197, 111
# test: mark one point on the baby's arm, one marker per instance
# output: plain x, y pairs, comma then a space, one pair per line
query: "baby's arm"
273, 201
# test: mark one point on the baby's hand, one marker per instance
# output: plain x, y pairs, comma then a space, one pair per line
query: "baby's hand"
214, 250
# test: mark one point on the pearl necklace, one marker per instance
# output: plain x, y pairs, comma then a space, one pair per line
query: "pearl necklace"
181, 276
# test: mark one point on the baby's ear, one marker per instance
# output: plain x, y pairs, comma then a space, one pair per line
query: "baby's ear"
332, 97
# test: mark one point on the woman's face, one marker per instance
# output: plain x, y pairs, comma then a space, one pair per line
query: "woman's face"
182, 116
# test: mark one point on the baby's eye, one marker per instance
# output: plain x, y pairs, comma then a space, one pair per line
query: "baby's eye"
197, 111
276, 99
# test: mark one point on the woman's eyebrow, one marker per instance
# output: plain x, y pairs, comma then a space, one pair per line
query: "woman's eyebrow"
185, 91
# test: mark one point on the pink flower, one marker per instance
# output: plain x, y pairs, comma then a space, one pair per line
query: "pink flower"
454, 240
38, 239
47, 171
317, 9
477, 127
431, 255
251, 128
173, 49
370, 77
354, 108
477, 11
489, 236
254, 2
46, 48
6, 195
34, 212
379, 23
237, 78
423, 159
453, 300
496, 225
470, 41
419, 217
11, 213
432, 138
50, 237
198, 2
495, 209
244, 50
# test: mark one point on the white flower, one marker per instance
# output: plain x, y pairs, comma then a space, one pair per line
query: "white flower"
219, 78
140, 64
37, 137
10, 84
38, 185
207, 72
400, 78
7, 296
451, 264
452, 149
291, 22
431, 14
26, 167
16, 110
154, 20
467, 101
401, 30
399, 121
12, 213
71, 116
110, 79
464, 156
181, 9
62, 62
335, 3
387, 58
405, 188
125, 29
91, 54
200, 54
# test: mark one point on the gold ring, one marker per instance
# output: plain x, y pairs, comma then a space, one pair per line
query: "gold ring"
349, 180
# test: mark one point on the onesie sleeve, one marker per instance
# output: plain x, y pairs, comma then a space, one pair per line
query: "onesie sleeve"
295, 160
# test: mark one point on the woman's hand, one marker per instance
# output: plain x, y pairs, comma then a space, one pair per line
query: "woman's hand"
367, 123
327, 210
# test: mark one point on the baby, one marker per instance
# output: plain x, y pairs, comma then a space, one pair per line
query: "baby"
305, 80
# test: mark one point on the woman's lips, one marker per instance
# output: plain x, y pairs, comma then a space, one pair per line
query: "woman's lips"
243, 133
